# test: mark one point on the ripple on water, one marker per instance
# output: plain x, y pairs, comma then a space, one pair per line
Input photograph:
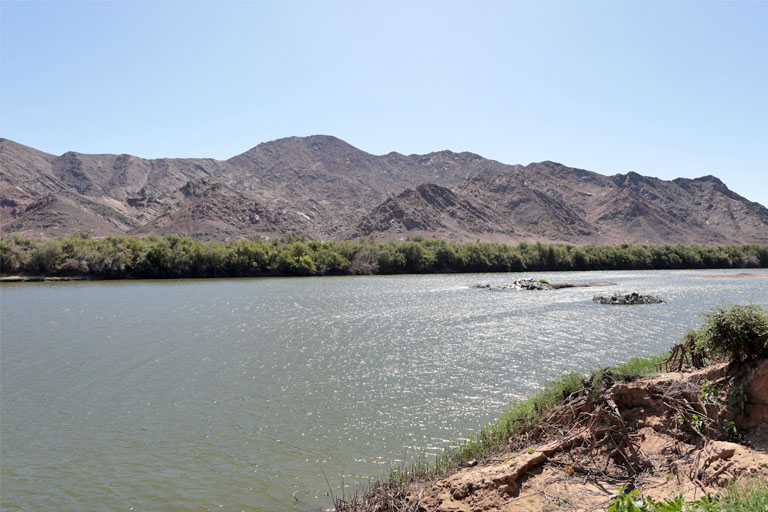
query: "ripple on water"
240, 394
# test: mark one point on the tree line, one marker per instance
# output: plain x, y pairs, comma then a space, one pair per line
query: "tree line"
175, 256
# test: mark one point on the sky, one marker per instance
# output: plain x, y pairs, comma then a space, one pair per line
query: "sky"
666, 89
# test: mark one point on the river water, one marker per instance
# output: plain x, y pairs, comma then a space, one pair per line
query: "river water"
247, 394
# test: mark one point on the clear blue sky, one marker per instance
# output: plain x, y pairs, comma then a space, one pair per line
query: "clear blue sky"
664, 89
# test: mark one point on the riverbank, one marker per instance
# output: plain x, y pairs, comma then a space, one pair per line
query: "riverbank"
656, 435
36, 279
669, 427
175, 256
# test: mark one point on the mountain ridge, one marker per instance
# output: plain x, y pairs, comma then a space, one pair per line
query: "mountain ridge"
327, 189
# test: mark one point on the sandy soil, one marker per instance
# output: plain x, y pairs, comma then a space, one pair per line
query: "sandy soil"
656, 435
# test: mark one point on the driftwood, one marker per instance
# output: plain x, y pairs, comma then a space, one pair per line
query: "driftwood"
684, 353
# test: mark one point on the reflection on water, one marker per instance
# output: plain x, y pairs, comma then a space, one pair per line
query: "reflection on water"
240, 394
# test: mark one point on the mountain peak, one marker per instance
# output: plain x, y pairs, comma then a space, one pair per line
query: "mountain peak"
710, 178
306, 141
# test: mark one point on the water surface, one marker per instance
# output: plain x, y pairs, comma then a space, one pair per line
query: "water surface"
240, 394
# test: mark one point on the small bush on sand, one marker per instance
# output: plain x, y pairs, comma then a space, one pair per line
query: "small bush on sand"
740, 333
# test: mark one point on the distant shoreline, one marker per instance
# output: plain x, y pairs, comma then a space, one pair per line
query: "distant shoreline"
47, 279
557, 286
81, 257
741, 275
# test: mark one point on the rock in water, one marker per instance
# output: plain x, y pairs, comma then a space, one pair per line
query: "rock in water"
629, 299
525, 284
520, 284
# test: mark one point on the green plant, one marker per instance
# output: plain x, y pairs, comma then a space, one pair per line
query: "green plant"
737, 332
633, 369
627, 502
730, 430
737, 400
697, 423
744, 496
668, 505
631, 502
544, 281
709, 392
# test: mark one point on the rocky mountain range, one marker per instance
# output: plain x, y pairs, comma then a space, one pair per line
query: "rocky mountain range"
327, 189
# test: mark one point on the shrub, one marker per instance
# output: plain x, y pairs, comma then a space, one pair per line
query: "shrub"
632, 502
737, 400
737, 332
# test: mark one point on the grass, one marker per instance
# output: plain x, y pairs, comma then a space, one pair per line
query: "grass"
745, 496
638, 367
522, 417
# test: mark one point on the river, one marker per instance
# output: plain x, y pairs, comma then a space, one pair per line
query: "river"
247, 394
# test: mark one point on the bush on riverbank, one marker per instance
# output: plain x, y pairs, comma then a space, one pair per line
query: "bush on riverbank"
293, 255
738, 333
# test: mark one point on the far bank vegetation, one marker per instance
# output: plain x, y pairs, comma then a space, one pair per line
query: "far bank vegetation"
175, 256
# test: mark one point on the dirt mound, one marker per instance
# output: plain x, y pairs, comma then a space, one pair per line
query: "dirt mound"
670, 435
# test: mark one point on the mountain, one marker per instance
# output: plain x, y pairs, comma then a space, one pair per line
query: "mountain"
435, 211
210, 210
326, 188
335, 184
541, 213
57, 215
115, 176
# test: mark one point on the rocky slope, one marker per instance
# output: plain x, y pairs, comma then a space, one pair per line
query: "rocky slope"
432, 210
210, 210
326, 188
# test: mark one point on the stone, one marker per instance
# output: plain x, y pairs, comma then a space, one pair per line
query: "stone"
525, 284
629, 299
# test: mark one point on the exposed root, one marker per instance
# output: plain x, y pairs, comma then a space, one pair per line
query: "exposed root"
683, 354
